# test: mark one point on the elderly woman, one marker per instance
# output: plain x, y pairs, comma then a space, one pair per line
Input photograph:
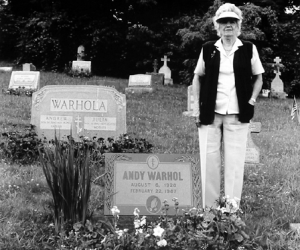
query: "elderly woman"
227, 81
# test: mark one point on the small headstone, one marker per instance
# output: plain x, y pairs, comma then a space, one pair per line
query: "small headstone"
277, 84
87, 110
139, 83
6, 69
82, 66
252, 151
81, 53
265, 92
144, 181
166, 71
190, 102
29, 67
25, 79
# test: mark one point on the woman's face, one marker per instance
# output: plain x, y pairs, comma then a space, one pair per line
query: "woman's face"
228, 27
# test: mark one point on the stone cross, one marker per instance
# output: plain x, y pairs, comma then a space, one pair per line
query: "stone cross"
165, 60
77, 121
277, 65
155, 64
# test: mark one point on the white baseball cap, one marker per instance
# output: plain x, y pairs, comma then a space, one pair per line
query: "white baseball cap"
228, 14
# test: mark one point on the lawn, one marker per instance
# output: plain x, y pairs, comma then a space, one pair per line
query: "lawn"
271, 189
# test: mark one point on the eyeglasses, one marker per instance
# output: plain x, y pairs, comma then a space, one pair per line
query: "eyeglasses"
227, 20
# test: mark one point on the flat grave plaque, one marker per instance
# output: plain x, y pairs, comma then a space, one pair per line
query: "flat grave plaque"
139, 80
144, 181
25, 79
81, 66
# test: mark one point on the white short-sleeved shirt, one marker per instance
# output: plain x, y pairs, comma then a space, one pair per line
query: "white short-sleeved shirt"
226, 101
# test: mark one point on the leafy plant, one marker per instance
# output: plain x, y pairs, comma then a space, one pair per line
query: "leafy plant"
69, 179
209, 229
21, 91
20, 146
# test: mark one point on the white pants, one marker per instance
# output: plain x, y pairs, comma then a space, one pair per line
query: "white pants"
233, 133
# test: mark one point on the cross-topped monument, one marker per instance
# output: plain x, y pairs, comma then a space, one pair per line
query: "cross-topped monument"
165, 60
277, 89
166, 71
277, 65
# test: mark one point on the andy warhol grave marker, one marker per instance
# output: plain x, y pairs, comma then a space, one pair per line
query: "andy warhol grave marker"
144, 181
25, 79
87, 110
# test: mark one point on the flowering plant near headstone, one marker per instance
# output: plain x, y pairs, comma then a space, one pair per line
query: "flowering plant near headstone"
210, 229
21, 91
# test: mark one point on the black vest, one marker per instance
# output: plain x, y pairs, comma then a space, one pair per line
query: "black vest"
243, 82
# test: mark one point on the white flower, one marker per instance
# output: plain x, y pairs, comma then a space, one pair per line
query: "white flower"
223, 209
136, 223
143, 221
136, 212
115, 211
174, 199
158, 231
162, 243
120, 233
233, 205
139, 231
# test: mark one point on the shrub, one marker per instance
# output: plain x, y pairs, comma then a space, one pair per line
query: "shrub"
207, 229
21, 146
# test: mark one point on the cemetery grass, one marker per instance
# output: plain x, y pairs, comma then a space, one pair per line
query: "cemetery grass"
271, 194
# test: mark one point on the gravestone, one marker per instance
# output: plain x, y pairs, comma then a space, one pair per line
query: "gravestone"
25, 79
144, 181
166, 71
139, 83
157, 78
81, 66
84, 110
80, 53
190, 102
6, 69
265, 92
277, 84
28, 67
252, 151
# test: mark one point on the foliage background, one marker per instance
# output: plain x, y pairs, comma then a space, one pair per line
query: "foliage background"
124, 37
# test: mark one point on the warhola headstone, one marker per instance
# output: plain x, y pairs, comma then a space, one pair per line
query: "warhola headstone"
87, 110
144, 181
